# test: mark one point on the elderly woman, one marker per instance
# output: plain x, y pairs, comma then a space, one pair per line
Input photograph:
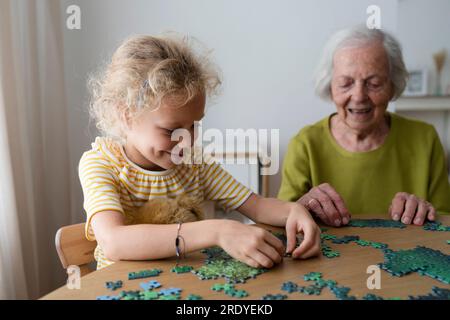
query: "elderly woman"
363, 159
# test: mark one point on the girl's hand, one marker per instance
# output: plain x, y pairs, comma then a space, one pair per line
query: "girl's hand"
410, 209
251, 245
299, 220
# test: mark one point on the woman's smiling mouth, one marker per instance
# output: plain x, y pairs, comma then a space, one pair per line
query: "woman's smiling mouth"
360, 110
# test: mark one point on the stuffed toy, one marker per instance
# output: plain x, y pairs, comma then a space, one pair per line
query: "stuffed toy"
183, 208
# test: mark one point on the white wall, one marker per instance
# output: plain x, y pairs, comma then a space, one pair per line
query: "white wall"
424, 29
267, 51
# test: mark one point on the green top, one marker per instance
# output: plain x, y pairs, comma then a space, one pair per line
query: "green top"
410, 160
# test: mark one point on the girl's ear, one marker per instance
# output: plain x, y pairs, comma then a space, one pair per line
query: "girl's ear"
126, 120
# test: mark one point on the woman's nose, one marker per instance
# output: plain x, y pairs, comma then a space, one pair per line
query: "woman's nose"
359, 93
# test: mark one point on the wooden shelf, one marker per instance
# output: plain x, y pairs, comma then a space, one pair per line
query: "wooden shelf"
423, 103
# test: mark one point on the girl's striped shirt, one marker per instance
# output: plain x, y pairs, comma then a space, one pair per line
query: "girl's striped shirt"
110, 181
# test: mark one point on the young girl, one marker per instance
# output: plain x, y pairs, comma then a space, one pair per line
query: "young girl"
153, 86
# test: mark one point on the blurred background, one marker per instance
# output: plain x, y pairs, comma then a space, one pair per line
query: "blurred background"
267, 52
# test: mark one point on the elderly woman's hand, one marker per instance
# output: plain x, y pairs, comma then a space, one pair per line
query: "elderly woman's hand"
411, 209
327, 204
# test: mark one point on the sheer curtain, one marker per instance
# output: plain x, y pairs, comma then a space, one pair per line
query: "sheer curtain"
34, 152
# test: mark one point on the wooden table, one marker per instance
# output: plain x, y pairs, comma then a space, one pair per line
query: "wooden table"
348, 270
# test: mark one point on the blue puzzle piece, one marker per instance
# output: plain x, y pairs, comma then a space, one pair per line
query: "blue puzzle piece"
170, 291
152, 284
289, 287
108, 298
111, 285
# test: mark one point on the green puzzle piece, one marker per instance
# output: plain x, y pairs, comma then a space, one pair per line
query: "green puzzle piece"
274, 297
237, 293
149, 295
313, 276
328, 252
325, 236
181, 269
194, 297
130, 295
310, 290
229, 290
144, 274
170, 297
222, 286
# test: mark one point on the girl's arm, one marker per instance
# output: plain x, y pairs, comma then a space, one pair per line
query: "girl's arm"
267, 210
253, 246
149, 241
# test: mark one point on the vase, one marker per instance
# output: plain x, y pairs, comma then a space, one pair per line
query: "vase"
438, 91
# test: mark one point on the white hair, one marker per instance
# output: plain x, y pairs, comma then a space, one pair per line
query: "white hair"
359, 36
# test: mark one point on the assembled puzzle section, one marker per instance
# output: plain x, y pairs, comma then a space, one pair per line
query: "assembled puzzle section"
220, 265
425, 261
375, 223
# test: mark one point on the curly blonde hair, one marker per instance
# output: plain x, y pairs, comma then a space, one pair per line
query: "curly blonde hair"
143, 71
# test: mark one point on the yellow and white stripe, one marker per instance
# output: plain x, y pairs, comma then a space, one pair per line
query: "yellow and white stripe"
110, 181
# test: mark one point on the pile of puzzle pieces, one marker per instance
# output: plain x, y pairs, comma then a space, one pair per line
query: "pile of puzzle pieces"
220, 265
148, 288
341, 293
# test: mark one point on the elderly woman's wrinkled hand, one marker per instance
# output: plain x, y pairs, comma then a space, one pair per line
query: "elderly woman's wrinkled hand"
410, 209
327, 205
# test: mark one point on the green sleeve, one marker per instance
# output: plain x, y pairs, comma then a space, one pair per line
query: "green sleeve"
439, 188
296, 176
